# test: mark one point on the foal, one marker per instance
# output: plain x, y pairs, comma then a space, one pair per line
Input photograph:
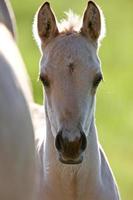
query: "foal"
73, 165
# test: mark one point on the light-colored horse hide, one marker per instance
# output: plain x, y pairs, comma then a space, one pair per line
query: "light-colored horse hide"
18, 177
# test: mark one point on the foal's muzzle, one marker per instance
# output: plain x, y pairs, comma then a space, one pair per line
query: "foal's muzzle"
70, 152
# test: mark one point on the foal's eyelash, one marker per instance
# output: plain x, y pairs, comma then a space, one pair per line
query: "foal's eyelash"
44, 79
97, 80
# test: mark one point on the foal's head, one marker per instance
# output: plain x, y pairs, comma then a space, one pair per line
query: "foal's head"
70, 72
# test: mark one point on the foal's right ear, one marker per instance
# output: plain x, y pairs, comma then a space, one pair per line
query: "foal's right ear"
91, 27
46, 24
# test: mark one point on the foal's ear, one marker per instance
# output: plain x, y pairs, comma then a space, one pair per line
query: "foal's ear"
46, 24
91, 27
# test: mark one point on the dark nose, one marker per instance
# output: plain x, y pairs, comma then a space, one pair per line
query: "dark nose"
70, 148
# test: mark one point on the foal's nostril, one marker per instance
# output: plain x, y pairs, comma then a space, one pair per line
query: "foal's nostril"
58, 141
83, 141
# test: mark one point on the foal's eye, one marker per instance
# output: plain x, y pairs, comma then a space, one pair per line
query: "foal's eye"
44, 79
97, 80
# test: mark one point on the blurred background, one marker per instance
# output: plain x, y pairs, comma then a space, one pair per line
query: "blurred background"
114, 113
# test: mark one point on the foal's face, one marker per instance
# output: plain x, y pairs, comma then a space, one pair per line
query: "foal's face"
70, 73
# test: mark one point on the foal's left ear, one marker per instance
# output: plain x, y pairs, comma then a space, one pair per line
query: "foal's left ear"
91, 27
46, 24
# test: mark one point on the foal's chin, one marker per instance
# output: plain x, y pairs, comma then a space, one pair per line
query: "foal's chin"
70, 161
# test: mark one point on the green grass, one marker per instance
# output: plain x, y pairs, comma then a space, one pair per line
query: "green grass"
115, 96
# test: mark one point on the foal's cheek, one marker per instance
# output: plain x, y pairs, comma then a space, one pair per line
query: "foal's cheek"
48, 105
52, 113
87, 108
47, 97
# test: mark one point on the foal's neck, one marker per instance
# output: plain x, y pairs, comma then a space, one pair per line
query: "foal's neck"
71, 178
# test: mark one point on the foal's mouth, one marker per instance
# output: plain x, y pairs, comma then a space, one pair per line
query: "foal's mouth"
70, 161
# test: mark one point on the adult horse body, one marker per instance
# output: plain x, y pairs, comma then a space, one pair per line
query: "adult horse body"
17, 146
73, 165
